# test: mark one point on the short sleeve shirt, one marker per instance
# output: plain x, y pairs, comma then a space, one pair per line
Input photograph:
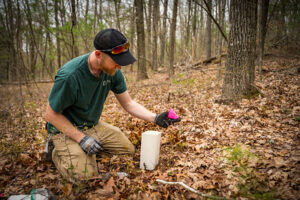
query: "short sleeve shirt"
79, 95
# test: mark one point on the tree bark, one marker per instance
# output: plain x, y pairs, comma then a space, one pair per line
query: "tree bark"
262, 30
187, 38
12, 47
173, 38
57, 34
75, 52
155, 33
222, 4
87, 7
194, 38
132, 33
142, 71
240, 64
117, 11
149, 31
100, 14
163, 33
96, 17
208, 30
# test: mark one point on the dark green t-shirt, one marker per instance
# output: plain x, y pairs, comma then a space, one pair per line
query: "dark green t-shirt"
79, 95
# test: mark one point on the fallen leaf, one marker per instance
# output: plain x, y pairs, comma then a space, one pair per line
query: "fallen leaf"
67, 189
108, 187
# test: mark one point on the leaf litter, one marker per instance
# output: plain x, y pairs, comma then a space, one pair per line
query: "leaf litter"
249, 150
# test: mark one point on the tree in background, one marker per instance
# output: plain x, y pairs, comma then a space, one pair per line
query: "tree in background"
155, 34
240, 64
173, 38
208, 30
55, 31
142, 71
163, 33
262, 30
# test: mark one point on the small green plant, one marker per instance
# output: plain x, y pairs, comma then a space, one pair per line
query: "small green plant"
187, 82
241, 161
181, 145
246, 117
180, 75
270, 141
285, 111
297, 118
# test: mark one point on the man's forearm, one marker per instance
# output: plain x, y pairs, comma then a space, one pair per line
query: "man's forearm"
140, 111
63, 124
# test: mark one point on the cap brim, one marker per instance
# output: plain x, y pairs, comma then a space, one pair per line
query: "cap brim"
123, 59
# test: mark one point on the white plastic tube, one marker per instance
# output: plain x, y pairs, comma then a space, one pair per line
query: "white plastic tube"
150, 149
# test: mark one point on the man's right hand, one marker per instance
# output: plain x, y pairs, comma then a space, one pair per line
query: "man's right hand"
90, 145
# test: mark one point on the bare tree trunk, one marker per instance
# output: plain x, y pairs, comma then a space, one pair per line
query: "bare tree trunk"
100, 15
187, 39
208, 30
262, 30
75, 52
12, 47
18, 55
194, 38
240, 64
132, 33
32, 42
222, 4
149, 31
173, 38
201, 32
155, 33
163, 33
142, 71
96, 16
57, 34
87, 7
117, 11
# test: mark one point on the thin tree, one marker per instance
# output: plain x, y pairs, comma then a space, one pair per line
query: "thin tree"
262, 30
100, 14
221, 7
163, 33
87, 7
132, 33
57, 33
149, 30
117, 11
194, 38
208, 30
187, 37
155, 33
142, 71
173, 38
240, 64
75, 51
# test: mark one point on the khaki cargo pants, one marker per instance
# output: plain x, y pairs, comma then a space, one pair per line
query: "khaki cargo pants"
74, 164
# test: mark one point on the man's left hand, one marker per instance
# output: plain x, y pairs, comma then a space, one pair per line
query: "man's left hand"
163, 121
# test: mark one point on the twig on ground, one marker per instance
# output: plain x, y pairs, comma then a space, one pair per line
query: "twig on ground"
191, 189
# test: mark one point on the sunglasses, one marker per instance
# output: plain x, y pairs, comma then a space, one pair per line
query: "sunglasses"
118, 49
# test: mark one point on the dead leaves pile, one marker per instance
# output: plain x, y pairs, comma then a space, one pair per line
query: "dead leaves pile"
247, 151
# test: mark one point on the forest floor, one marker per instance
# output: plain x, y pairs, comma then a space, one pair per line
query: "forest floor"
249, 150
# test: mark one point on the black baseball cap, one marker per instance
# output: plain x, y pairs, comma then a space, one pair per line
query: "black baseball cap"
109, 39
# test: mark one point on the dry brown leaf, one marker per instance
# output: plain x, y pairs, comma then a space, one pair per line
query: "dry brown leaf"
67, 189
108, 187
25, 159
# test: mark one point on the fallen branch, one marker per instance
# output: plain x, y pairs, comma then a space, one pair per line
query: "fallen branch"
207, 61
191, 189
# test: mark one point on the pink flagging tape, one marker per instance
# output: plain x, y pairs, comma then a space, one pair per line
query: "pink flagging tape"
172, 114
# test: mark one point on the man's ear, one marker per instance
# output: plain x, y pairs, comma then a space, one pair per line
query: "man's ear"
98, 54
